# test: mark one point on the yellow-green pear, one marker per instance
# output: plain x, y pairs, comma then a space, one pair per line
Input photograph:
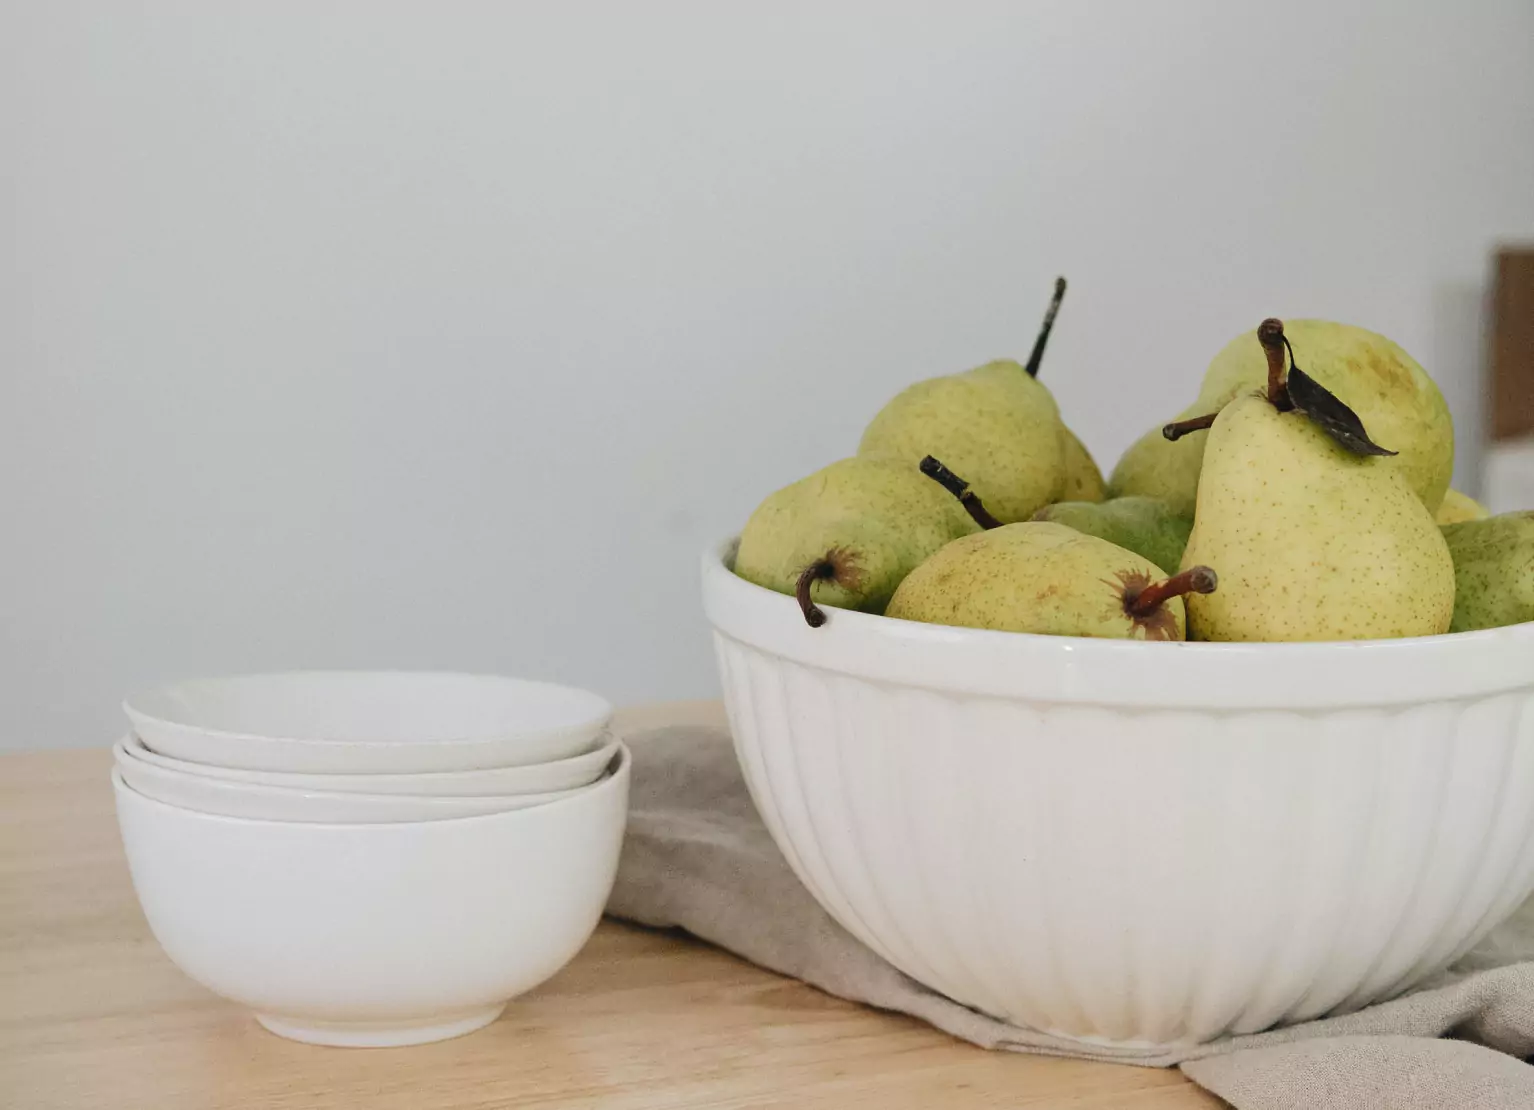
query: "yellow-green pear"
1312, 540
1388, 390
1456, 508
1167, 470
1049, 579
1391, 393
996, 425
1493, 571
1082, 480
847, 534
1143, 525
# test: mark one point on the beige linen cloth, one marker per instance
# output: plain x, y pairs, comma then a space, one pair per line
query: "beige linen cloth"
698, 858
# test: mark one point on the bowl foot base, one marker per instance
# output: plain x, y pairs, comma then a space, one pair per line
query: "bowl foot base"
381, 1034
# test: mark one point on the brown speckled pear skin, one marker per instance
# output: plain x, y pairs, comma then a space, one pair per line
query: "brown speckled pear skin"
995, 426
1456, 508
1493, 571
1082, 480
1391, 393
1311, 542
1035, 577
1398, 403
881, 516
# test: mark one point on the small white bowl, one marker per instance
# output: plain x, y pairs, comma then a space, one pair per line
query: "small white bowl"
1132, 844
559, 774
389, 722
283, 803
384, 934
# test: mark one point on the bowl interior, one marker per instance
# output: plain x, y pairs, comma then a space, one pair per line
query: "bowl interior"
370, 706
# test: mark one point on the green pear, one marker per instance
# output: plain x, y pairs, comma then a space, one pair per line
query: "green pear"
995, 425
847, 534
1167, 470
1082, 480
1143, 525
1312, 541
1046, 578
1456, 508
1493, 571
1393, 396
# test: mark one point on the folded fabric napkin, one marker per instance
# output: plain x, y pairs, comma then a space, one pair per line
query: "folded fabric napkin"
699, 858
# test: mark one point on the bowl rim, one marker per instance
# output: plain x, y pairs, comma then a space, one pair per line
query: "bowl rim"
615, 779
1086, 670
600, 716
135, 747
122, 752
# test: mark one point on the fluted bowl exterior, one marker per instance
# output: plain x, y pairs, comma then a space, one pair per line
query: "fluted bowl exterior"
1134, 844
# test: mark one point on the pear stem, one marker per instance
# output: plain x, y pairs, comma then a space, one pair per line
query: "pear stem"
819, 571
1179, 428
1194, 580
960, 489
1037, 355
1270, 333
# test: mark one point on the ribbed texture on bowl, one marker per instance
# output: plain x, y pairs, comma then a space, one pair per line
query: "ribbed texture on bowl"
1140, 877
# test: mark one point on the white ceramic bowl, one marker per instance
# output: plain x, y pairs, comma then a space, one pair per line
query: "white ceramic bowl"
285, 803
375, 934
388, 722
1138, 844
559, 774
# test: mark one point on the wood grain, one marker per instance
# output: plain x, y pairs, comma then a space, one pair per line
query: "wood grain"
93, 1015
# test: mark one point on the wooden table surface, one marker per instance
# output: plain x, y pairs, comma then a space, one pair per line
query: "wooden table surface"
92, 1014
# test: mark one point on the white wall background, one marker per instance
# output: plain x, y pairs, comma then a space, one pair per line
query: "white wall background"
445, 335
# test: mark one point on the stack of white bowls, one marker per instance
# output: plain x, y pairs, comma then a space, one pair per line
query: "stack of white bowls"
371, 858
